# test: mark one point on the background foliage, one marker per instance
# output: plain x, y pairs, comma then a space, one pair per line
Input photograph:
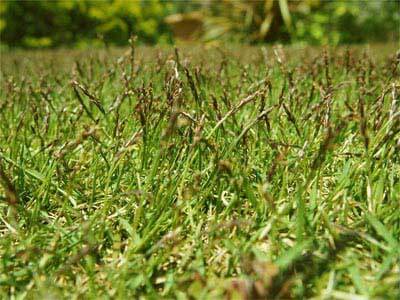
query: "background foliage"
76, 23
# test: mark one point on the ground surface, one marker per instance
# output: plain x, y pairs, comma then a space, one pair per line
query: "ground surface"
206, 174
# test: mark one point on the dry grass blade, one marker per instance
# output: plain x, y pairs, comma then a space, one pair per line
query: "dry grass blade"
242, 103
11, 192
91, 97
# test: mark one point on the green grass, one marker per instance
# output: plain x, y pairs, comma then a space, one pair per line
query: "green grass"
204, 174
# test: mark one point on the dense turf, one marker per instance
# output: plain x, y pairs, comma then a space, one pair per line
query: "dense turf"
261, 173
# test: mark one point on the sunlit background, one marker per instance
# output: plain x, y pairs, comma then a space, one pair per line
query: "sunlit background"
83, 23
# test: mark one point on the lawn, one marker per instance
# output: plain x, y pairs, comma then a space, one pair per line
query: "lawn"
252, 173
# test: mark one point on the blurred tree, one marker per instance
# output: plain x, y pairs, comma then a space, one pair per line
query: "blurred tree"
307, 21
344, 22
79, 23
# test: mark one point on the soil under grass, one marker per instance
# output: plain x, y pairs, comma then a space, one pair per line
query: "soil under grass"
254, 173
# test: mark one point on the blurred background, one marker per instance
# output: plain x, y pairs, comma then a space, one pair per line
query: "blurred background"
84, 23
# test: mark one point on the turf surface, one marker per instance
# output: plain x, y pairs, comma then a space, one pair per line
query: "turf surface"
257, 173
